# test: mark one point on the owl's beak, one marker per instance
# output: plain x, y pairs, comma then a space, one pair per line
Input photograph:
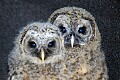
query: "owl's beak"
42, 54
72, 41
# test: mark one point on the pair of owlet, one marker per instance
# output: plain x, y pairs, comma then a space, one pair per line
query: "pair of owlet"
67, 47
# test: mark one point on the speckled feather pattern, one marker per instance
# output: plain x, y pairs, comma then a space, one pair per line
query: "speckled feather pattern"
23, 65
85, 62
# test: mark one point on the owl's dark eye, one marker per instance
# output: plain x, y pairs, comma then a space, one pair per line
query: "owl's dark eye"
32, 44
82, 30
51, 44
62, 29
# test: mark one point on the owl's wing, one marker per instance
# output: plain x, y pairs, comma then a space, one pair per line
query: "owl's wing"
18, 74
16, 71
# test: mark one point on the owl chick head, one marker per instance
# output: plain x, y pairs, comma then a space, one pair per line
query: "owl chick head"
41, 40
77, 26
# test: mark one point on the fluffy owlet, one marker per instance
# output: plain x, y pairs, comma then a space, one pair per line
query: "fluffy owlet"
84, 59
37, 53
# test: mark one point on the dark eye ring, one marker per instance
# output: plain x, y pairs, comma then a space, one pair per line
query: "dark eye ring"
32, 44
62, 29
82, 30
51, 44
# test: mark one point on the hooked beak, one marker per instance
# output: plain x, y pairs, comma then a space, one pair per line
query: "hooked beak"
42, 54
72, 41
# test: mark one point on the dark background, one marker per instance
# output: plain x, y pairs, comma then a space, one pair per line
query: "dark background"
15, 14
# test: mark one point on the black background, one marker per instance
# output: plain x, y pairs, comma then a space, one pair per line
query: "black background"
15, 14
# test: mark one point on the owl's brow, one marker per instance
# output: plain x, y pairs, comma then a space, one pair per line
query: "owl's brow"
34, 27
56, 15
73, 12
50, 30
